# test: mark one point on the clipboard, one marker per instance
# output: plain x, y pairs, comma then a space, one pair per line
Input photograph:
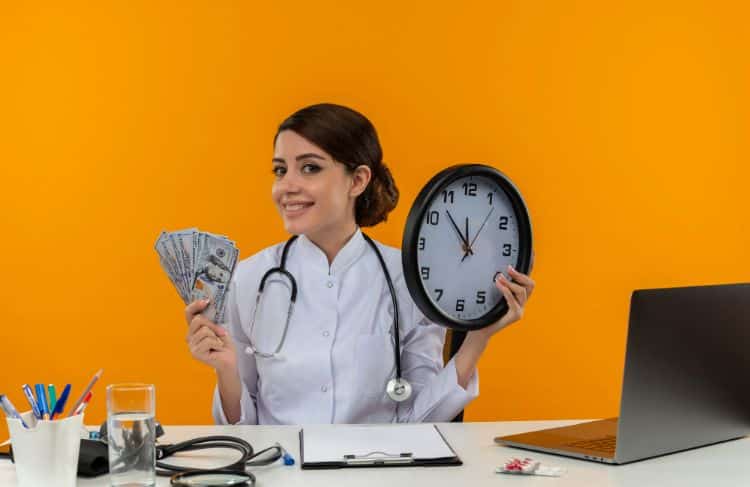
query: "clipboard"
354, 446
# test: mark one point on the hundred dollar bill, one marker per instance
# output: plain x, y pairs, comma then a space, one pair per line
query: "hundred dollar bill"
184, 240
214, 266
169, 264
200, 266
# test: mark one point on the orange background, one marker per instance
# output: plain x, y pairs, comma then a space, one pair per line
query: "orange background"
625, 127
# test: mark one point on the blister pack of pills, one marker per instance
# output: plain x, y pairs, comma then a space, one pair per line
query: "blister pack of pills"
529, 466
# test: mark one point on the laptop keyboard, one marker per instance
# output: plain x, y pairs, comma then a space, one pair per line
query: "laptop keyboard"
605, 444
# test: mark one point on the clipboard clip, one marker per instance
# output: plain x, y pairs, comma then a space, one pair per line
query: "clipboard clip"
379, 458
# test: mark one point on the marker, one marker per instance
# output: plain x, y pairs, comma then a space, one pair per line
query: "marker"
10, 410
61, 402
85, 392
83, 405
52, 398
32, 402
41, 399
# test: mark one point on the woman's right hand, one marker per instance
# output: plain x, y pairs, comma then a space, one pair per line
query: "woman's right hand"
209, 343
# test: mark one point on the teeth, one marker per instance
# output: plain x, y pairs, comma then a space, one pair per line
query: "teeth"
296, 206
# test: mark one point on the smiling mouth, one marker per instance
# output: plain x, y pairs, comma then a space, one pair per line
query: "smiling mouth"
296, 207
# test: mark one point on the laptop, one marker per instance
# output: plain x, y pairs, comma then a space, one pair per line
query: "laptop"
686, 381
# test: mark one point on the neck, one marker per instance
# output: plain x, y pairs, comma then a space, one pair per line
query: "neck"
332, 241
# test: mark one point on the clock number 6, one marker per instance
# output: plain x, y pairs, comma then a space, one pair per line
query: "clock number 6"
460, 304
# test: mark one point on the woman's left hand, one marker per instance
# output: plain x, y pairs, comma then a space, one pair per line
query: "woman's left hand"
517, 293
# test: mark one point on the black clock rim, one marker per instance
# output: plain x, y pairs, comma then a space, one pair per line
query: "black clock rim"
411, 235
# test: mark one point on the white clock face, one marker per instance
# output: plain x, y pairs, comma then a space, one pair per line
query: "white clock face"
468, 234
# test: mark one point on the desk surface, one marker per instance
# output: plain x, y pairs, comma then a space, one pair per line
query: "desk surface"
725, 464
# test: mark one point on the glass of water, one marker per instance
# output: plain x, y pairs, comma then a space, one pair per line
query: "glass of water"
131, 435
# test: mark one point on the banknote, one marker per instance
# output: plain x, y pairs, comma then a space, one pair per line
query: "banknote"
200, 266
169, 263
214, 264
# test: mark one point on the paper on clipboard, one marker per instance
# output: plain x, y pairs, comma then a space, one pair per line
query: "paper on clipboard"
332, 443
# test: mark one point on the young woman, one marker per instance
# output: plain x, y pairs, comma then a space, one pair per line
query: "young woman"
335, 344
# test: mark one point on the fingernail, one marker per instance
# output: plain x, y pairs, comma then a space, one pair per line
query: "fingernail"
205, 301
511, 267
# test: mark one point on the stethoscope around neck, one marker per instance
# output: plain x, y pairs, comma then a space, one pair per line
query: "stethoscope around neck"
397, 389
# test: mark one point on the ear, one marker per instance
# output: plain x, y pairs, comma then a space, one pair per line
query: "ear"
360, 179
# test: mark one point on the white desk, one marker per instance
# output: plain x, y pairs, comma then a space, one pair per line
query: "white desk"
723, 465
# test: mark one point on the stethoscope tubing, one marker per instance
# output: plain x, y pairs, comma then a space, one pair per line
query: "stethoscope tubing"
397, 384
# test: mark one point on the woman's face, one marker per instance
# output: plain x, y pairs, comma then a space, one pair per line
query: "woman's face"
312, 192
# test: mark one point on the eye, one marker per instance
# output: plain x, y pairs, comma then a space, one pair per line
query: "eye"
310, 168
278, 171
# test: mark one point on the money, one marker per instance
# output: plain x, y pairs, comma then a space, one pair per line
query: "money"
200, 266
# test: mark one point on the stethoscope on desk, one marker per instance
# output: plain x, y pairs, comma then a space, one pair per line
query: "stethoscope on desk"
232, 474
398, 389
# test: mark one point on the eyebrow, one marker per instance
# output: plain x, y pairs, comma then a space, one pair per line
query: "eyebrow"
300, 157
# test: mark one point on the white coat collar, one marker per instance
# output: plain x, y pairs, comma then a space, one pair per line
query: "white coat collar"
314, 257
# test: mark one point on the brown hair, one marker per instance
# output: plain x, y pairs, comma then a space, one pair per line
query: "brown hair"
350, 138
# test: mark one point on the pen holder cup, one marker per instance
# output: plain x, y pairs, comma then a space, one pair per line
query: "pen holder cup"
47, 452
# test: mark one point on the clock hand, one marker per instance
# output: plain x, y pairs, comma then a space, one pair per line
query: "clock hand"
481, 227
464, 240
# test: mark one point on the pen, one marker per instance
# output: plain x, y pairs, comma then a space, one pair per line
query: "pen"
10, 410
52, 398
83, 405
85, 392
32, 402
61, 402
41, 399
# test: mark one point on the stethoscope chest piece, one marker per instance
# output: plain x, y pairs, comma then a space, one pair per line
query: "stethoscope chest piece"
398, 389
214, 478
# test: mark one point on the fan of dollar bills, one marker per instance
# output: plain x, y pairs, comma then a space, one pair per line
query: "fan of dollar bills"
200, 265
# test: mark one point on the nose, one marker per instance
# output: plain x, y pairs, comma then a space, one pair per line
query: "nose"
286, 184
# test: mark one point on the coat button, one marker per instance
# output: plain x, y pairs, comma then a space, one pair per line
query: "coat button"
329, 284
324, 388
325, 333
